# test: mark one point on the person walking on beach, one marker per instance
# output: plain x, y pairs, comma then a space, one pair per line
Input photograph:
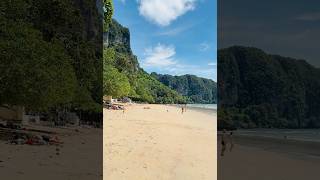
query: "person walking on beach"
223, 142
231, 141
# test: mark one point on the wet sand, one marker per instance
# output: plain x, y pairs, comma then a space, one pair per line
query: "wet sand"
265, 158
153, 144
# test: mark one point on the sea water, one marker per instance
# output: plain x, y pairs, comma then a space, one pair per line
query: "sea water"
203, 106
312, 135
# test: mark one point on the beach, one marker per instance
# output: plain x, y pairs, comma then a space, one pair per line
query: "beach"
158, 142
265, 158
78, 158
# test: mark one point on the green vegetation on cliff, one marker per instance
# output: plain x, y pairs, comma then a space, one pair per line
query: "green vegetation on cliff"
50, 54
123, 75
256, 89
196, 89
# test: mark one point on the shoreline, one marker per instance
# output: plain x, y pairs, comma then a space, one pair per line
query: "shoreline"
299, 135
287, 146
251, 156
206, 110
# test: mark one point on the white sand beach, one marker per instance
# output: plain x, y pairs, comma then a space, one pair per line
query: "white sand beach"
156, 144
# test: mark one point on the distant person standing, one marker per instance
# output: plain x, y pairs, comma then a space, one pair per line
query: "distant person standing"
231, 141
182, 110
223, 142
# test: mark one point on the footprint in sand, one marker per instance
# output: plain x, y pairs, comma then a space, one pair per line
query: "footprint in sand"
114, 170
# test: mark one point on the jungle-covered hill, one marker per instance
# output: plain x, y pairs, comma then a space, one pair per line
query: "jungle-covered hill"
196, 89
124, 77
256, 89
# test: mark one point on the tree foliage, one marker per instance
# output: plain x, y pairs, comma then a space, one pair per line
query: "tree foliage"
108, 12
114, 83
49, 54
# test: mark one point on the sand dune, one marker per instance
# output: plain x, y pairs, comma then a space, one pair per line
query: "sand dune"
153, 144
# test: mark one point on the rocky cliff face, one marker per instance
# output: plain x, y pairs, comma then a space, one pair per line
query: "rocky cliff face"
118, 36
143, 87
92, 18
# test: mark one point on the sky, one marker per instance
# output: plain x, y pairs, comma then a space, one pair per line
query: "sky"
287, 27
174, 37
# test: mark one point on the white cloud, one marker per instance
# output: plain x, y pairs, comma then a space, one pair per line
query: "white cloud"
204, 46
163, 12
159, 56
309, 17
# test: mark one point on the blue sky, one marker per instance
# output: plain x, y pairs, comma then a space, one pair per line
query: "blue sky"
172, 36
287, 27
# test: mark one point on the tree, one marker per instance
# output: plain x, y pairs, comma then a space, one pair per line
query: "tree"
34, 73
114, 83
50, 54
108, 12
